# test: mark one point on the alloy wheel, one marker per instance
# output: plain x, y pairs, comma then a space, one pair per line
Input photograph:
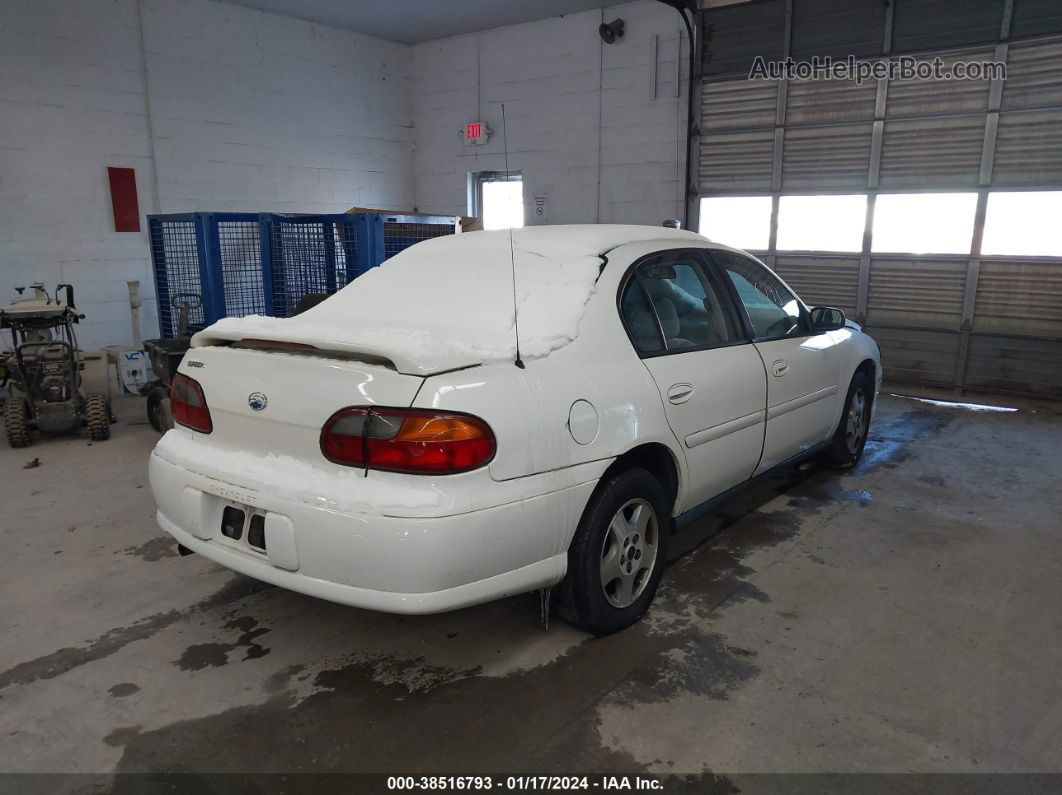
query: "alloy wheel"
856, 427
629, 552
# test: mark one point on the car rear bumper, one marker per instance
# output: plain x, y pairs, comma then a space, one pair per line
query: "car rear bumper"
378, 562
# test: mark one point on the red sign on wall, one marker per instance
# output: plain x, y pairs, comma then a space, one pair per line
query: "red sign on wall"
476, 132
123, 199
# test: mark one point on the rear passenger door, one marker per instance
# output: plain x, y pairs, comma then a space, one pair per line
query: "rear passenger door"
686, 329
802, 366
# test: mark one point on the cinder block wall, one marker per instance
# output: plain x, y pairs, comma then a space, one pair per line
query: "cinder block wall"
584, 126
237, 110
221, 107
72, 103
254, 111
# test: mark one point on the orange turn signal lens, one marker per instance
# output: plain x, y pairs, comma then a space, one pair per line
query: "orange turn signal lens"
439, 429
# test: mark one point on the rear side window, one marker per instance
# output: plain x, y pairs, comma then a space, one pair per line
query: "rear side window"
670, 305
640, 321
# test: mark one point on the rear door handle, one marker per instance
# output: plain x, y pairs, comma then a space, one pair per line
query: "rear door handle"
680, 393
780, 367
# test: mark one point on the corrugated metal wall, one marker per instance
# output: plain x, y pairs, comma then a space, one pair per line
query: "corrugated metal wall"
965, 322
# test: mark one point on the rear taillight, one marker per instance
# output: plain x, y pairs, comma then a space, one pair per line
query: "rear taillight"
188, 404
415, 441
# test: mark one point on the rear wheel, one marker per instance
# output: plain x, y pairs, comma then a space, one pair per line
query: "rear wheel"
98, 417
158, 409
846, 446
17, 422
617, 556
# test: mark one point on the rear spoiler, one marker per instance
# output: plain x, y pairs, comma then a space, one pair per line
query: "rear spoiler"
290, 336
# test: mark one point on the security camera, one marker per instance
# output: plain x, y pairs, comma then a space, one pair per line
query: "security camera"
611, 31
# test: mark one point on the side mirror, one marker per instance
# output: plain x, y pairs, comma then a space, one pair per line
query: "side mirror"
826, 318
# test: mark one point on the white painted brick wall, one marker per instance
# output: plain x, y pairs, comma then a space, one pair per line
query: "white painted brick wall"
250, 112
71, 104
578, 112
257, 112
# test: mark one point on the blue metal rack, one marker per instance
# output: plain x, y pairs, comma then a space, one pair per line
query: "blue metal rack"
264, 263
402, 231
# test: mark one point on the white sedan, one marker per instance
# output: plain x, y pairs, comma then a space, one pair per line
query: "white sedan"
393, 448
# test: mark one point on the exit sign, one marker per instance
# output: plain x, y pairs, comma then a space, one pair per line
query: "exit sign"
476, 133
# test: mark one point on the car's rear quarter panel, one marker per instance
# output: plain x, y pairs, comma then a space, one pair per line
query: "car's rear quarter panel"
529, 408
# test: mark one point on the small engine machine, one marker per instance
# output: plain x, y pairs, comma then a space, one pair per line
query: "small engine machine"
46, 369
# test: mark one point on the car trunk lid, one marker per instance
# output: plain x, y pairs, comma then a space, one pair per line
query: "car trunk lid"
275, 400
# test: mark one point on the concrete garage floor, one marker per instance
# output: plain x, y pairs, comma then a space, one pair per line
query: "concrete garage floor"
902, 617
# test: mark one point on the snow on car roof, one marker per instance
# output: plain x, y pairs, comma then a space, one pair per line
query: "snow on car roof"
448, 302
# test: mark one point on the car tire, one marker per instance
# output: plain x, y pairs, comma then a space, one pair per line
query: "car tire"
624, 532
17, 422
158, 409
98, 417
846, 446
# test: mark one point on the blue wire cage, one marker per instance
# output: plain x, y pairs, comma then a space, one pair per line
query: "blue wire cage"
265, 263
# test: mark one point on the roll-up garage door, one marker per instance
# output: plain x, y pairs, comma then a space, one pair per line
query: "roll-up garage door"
976, 317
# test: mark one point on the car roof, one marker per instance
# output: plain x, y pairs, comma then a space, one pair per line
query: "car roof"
572, 240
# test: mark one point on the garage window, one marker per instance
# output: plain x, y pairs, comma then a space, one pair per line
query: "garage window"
738, 221
1023, 223
821, 223
924, 223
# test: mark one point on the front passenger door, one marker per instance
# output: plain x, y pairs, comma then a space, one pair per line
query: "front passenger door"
712, 385
802, 367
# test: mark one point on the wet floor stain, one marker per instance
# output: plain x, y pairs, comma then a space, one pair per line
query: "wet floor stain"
203, 655
154, 550
357, 723
278, 682
889, 442
120, 737
699, 664
63, 660
66, 659
123, 689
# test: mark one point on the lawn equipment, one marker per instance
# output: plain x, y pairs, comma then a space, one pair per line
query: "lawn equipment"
166, 356
46, 368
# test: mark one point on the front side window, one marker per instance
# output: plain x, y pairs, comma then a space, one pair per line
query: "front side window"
671, 305
772, 309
